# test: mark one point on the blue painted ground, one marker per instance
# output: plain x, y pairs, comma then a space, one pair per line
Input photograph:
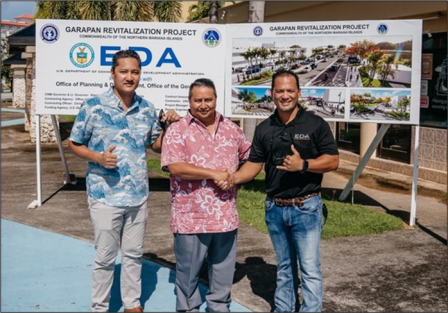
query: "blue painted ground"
19, 121
47, 272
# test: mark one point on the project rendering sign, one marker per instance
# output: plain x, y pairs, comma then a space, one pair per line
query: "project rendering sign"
355, 71
74, 58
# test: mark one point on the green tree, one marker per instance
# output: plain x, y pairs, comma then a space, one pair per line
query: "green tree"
403, 104
373, 57
385, 69
163, 11
6, 70
205, 8
167, 11
247, 96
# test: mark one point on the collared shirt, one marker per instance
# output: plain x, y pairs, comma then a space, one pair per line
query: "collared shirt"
101, 123
311, 136
200, 206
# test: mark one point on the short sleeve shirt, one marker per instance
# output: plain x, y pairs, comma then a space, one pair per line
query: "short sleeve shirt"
200, 206
311, 136
101, 123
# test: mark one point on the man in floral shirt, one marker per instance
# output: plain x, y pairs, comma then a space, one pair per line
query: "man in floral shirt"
203, 149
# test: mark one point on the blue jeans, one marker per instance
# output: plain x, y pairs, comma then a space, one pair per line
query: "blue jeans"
297, 228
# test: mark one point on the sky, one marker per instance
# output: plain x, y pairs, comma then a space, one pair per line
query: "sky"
12, 9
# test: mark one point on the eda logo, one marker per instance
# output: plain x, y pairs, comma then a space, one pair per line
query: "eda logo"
82, 55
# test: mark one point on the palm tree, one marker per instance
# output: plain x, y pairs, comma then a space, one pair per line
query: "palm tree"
163, 11
386, 68
205, 8
167, 11
373, 57
96, 10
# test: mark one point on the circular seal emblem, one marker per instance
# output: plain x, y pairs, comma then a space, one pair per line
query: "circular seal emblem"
211, 37
382, 29
49, 33
82, 55
258, 31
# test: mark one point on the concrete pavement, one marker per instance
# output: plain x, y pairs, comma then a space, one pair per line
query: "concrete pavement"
398, 271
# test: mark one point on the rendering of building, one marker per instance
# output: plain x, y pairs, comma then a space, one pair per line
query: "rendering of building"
396, 151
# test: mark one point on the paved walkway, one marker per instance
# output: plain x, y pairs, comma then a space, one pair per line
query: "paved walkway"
46, 264
48, 272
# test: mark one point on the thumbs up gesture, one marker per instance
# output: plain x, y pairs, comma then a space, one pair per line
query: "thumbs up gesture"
292, 163
108, 159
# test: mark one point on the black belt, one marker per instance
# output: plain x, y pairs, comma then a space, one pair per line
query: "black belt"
294, 201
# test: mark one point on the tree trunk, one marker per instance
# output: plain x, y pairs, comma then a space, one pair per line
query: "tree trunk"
213, 13
256, 15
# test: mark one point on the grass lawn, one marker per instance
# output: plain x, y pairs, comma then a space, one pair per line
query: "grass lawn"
344, 219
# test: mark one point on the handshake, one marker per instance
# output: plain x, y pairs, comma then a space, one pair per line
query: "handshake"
224, 179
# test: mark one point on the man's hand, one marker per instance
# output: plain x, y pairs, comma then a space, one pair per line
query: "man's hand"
224, 179
108, 159
292, 163
170, 116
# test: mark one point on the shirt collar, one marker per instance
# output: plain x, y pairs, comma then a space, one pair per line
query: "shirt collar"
114, 101
190, 118
299, 118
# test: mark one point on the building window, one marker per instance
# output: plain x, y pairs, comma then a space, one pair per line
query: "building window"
348, 136
433, 104
396, 144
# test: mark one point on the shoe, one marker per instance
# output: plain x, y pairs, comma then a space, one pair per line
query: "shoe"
136, 309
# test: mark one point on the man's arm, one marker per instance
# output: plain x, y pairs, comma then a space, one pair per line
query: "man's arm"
157, 145
189, 171
247, 172
171, 116
106, 159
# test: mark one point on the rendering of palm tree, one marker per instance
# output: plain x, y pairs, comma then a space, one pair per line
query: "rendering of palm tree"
373, 57
386, 68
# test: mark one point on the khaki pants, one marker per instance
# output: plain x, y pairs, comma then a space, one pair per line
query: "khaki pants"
112, 226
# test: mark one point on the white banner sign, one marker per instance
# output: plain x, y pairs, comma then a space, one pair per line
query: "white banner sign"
355, 71
74, 58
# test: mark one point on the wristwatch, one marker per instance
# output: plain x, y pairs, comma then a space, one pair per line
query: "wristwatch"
304, 166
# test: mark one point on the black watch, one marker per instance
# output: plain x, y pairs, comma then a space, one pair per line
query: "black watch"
304, 166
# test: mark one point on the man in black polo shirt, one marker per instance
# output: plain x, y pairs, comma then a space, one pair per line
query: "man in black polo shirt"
296, 147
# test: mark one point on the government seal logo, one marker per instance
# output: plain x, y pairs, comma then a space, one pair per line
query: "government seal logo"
211, 37
49, 33
258, 31
382, 29
82, 55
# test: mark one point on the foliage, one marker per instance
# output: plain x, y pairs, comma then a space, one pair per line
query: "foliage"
154, 167
403, 104
247, 96
6, 70
202, 9
163, 11
361, 48
343, 219
399, 114
167, 11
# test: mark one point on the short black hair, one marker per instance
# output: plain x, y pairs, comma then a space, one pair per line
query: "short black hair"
284, 72
202, 82
125, 54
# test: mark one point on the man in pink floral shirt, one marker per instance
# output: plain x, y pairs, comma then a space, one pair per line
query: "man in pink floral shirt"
203, 149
